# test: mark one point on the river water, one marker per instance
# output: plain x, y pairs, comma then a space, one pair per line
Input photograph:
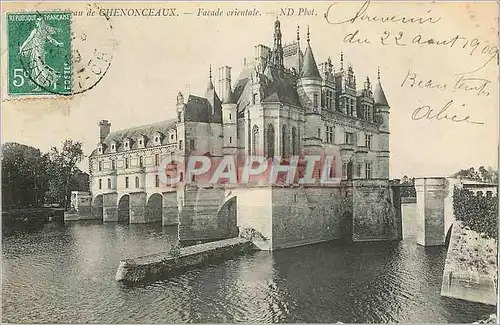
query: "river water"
65, 274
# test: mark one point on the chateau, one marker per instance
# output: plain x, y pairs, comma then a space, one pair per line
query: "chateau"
283, 103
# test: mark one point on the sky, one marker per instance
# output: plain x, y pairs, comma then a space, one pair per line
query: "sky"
153, 58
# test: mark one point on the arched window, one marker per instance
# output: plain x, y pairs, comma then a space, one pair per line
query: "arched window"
109, 182
255, 139
270, 140
294, 141
284, 141
136, 182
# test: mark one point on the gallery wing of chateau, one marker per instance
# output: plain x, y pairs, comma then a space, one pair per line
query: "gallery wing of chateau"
282, 103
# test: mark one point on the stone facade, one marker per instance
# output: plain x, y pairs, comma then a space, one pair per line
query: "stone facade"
282, 104
297, 215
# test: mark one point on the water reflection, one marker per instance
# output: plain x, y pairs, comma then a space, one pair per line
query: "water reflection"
65, 273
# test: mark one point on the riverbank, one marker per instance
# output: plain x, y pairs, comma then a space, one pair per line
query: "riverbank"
471, 266
156, 266
30, 217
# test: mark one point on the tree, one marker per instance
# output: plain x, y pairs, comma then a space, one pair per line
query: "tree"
483, 175
469, 174
24, 180
62, 167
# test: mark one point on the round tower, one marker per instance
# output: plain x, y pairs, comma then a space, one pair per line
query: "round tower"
229, 122
309, 90
382, 115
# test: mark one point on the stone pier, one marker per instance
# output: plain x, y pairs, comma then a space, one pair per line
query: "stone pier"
170, 215
153, 267
137, 207
431, 195
109, 207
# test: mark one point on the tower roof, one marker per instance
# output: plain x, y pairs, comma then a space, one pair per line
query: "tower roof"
229, 98
309, 67
378, 94
210, 85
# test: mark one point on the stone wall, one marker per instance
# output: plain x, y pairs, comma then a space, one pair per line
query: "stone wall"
304, 216
471, 266
162, 265
375, 216
294, 216
198, 217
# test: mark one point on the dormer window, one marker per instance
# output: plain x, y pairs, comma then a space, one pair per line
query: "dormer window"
100, 148
141, 141
127, 144
172, 136
113, 146
158, 137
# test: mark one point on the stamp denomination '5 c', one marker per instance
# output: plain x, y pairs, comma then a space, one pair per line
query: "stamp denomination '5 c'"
39, 46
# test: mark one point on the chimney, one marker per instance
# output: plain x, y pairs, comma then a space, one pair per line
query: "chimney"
224, 81
104, 128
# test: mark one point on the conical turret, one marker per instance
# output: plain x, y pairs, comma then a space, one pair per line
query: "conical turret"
309, 66
378, 94
210, 85
382, 114
229, 97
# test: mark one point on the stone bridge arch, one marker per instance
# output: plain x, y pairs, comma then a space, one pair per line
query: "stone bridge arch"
154, 208
227, 216
124, 209
98, 207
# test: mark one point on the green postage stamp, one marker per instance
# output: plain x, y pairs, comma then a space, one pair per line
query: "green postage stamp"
39, 53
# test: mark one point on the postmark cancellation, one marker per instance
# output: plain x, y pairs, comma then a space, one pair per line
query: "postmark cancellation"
53, 54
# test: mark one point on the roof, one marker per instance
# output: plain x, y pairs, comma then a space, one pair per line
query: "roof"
201, 109
197, 109
210, 85
148, 131
379, 95
229, 98
281, 88
309, 67
474, 183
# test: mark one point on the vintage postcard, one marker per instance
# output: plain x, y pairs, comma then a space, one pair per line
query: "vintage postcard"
255, 162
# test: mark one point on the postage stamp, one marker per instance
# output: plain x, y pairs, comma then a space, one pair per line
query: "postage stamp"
39, 53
